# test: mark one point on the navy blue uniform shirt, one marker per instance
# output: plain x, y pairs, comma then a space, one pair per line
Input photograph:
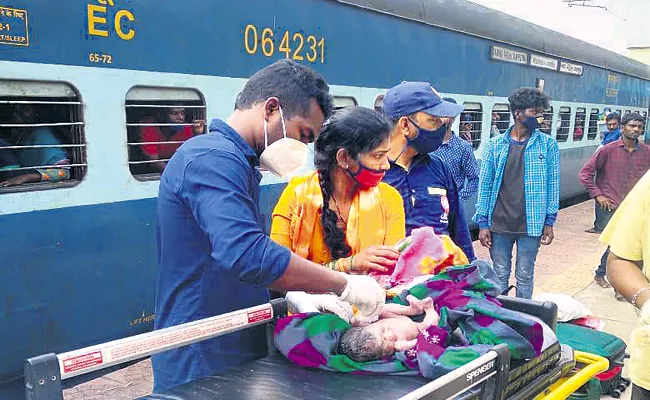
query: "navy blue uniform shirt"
213, 255
431, 199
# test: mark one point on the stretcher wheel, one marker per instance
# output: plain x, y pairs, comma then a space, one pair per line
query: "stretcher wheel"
616, 393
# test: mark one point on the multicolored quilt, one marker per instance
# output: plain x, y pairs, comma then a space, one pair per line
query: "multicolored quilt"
472, 321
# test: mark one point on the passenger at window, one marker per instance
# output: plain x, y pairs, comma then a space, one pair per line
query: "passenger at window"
50, 161
426, 184
494, 130
179, 132
341, 215
519, 191
466, 131
578, 130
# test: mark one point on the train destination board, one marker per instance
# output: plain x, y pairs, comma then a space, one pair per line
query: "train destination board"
13, 26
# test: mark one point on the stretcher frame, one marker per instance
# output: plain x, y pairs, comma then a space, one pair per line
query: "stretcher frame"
44, 374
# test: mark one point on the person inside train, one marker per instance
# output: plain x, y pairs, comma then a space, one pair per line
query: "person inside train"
342, 215
519, 191
154, 135
610, 174
214, 257
494, 128
578, 131
425, 183
460, 159
49, 162
466, 131
628, 269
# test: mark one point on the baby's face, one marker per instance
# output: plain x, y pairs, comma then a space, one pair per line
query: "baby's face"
388, 331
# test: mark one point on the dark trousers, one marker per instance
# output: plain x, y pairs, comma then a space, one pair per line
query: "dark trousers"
602, 219
639, 393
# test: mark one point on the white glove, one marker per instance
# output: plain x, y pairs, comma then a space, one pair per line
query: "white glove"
644, 318
301, 302
365, 293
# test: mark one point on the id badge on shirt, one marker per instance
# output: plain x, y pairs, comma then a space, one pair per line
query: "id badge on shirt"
444, 202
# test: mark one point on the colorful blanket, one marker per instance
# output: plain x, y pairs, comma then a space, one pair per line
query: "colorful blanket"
472, 321
422, 253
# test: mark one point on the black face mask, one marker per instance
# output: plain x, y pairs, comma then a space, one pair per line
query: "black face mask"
428, 141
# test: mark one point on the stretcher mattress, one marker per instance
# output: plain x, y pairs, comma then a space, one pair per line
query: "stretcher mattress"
275, 377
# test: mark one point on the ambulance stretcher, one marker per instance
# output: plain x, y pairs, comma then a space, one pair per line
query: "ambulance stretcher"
550, 376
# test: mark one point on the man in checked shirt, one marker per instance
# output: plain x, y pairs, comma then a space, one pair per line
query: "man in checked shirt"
459, 156
519, 191
612, 172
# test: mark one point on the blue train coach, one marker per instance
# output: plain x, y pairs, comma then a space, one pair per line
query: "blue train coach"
78, 262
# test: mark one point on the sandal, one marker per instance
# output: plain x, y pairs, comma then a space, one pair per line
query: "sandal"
602, 282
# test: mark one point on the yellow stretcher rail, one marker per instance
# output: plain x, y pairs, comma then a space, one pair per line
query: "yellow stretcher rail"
565, 387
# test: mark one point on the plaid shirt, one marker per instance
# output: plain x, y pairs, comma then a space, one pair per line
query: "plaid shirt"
459, 156
541, 180
616, 170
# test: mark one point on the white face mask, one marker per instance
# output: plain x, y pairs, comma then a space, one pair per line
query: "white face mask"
284, 157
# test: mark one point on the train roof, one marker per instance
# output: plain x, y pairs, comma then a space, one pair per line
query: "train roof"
467, 17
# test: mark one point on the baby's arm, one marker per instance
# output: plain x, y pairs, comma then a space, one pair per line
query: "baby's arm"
415, 307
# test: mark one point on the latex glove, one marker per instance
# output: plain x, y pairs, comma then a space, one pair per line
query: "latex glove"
301, 302
365, 293
645, 314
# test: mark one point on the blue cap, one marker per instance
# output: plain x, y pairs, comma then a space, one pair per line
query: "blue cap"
411, 97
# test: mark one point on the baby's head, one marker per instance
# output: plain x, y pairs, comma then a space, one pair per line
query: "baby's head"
368, 343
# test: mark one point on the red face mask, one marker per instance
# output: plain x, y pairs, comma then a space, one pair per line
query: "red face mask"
367, 177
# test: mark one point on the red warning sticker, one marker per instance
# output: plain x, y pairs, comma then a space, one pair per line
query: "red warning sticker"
260, 315
81, 362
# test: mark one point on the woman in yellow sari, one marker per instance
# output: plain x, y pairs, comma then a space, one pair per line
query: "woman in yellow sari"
341, 215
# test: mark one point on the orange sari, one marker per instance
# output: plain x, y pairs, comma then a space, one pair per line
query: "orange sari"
376, 218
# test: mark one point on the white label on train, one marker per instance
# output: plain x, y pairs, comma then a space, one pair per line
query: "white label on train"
507, 55
543, 62
570, 68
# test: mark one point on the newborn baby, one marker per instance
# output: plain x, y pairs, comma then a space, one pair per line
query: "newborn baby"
394, 331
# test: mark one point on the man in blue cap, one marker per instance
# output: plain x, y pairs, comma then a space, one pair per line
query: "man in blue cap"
425, 183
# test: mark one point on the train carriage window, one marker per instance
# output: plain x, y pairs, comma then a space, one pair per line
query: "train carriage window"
579, 126
379, 104
547, 123
42, 144
592, 132
563, 124
500, 119
344, 102
619, 112
471, 123
627, 112
158, 121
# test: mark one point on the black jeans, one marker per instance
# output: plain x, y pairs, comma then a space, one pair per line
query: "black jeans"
639, 393
602, 219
